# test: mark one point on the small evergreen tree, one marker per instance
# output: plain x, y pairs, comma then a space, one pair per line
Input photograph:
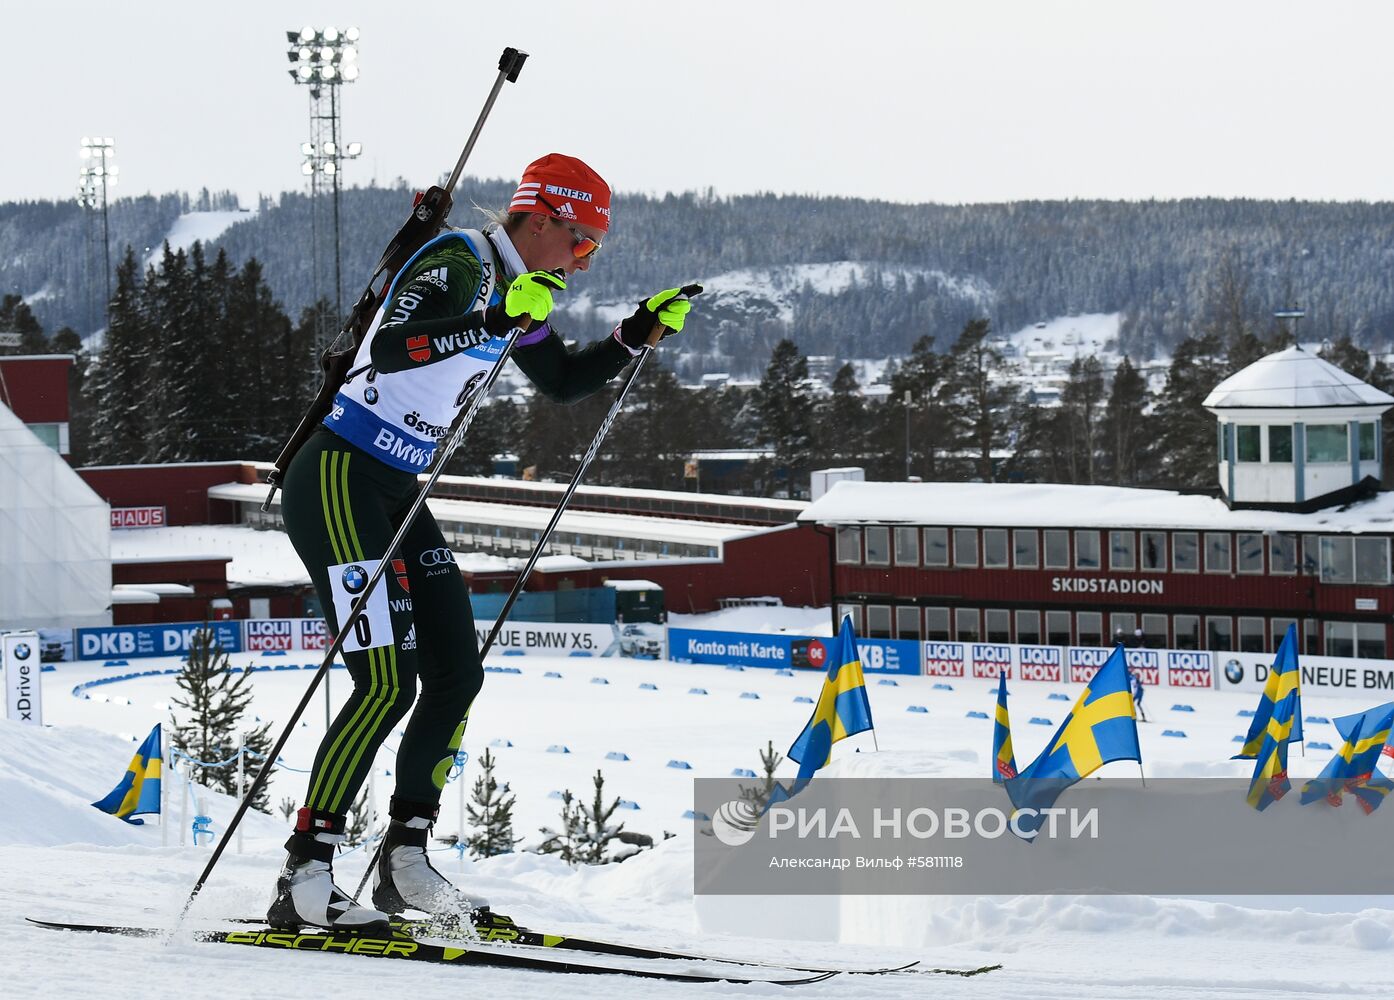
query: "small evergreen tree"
565, 842
597, 832
491, 811
210, 728
288, 807
759, 796
360, 824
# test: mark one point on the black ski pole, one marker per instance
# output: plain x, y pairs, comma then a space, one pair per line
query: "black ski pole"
346, 626
427, 218
537, 550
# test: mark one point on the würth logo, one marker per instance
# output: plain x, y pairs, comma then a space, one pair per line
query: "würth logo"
419, 348
435, 277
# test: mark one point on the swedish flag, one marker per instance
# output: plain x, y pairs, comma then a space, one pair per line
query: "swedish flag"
842, 710
1371, 793
1365, 734
1004, 761
139, 789
1270, 781
1099, 729
1285, 678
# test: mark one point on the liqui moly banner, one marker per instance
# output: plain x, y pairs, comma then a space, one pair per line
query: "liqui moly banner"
19, 655
1040, 663
1084, 662
989, 660
943, 659
273, 634
1190, 669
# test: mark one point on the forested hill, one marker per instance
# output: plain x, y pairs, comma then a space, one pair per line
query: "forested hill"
846, 277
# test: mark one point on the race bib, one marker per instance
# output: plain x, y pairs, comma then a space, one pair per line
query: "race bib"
373, 625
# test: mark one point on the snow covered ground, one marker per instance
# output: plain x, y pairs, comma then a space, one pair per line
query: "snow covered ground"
60, 858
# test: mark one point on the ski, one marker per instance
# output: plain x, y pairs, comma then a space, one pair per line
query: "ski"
403, 947
499, 929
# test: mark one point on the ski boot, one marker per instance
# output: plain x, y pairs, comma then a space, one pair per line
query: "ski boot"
406, 879
306, 895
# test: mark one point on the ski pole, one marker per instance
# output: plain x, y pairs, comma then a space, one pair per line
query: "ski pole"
427, 218
604, 429
346, 626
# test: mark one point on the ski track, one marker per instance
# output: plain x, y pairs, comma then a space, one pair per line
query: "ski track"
60, 859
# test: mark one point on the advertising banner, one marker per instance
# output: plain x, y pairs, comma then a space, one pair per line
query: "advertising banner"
552, 638
943, 659
752, 649
19, 658
1338, 675
284, 634
153, 640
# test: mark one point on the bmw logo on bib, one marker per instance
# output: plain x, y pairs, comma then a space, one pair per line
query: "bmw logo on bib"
355, 579
370, 395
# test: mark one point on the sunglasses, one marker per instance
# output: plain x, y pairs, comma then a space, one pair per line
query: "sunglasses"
585, 246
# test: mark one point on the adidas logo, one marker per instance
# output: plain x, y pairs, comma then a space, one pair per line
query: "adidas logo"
566, 211
435, 277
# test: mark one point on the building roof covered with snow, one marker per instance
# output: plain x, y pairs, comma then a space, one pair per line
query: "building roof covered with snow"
1051, 505
1293, 379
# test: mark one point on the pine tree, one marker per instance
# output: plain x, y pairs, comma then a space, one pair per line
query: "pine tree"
982, 398
1127, 443
784, 405
1081, 407
214, 702
175, 384
759, 796
361, 823
932, 418
565, 842
841, 421
491, 812
597, 832
120, 375
1185, 430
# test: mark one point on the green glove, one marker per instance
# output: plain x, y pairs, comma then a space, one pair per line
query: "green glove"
669, 307
529, 295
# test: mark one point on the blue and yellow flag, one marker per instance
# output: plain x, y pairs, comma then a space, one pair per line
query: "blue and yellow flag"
139, 789
1285, 678
1270, 781
842, 710
1003, 760
1365, 734
1099, 729
1371, 793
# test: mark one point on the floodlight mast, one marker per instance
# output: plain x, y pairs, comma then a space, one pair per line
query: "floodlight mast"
323, 59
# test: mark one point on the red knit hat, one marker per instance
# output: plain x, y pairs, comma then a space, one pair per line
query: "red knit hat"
565, 188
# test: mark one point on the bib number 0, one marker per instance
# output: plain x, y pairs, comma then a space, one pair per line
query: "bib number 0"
373, 625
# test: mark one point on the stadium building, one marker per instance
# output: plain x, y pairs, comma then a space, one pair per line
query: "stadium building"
1299, 534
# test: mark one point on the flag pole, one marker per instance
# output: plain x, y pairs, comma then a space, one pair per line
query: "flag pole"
1141, 775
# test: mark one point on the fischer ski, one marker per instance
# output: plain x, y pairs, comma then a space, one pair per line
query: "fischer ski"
403, 947
495, 928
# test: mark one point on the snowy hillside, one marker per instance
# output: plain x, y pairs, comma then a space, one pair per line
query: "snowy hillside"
61, 858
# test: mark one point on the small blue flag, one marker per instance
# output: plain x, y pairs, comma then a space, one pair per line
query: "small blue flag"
1003, 759
139, 789
1285, 678
1365, 734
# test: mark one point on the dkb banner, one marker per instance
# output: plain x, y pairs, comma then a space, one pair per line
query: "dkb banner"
19, 653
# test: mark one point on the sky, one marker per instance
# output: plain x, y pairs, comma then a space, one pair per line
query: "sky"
937, 100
